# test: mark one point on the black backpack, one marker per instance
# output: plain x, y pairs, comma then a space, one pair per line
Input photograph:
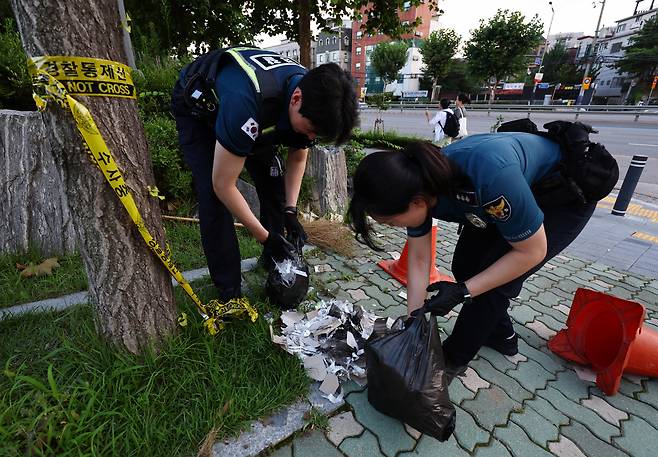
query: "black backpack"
588, 172
452, 125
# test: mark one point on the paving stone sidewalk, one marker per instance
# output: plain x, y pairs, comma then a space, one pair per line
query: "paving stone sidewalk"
533, 404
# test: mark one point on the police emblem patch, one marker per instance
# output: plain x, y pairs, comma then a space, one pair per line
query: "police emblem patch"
499, 208
251, 128
475, 220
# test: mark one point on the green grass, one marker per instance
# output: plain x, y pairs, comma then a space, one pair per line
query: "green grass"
388, 139
69, 277
183, 237
65, 392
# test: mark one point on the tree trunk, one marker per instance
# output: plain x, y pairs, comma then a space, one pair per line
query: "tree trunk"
129, 286
436, 89
305, 33
33, 203
328, 168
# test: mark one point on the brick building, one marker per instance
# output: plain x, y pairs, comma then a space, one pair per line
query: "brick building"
363, 44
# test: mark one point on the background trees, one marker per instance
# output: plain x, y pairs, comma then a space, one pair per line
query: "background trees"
388, 59
498, 47
276, 17
641, 57
558, 68
175, 27
437, 51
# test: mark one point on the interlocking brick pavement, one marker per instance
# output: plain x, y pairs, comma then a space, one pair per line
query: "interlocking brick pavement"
533, 404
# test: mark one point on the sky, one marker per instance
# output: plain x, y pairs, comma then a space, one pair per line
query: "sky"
570, 15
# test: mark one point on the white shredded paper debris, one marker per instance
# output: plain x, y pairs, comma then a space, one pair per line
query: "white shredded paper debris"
395, 255
330, 341
288, 271
585, 374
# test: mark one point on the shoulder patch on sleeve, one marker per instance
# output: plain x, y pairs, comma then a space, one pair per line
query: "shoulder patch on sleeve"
251, 128
499, 208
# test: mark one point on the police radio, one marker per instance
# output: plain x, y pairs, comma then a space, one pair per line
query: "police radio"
200, 97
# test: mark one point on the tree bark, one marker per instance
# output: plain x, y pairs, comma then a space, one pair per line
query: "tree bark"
30, 184
128, 285
305, 33
328, 168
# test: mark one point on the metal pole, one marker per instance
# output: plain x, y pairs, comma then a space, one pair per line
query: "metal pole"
589, 62
628, 186
127, 45
651, 91
543, 54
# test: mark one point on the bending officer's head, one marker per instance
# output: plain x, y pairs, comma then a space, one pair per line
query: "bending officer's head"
324, 104
398, 188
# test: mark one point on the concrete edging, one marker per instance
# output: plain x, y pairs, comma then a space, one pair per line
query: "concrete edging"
61, 303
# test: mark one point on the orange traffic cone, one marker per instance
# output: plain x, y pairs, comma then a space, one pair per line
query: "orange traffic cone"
398, 268
606, 332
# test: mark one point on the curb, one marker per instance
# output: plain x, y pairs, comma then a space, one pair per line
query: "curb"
60, 303
268, 432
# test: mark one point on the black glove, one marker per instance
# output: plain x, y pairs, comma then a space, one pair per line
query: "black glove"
295, 230
449, 295
278, 247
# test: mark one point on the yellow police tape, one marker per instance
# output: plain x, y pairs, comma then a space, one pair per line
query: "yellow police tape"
97, 150
86, 76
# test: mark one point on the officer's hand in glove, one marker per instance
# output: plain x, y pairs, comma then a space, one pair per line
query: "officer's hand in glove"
279, 247
449, 295
296, 234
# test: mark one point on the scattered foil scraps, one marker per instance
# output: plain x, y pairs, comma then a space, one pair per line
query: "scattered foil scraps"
330, 342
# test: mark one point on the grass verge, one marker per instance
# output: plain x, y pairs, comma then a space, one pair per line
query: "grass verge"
184, 239
65, 392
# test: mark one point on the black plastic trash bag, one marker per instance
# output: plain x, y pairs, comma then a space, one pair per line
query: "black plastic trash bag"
406, 376
287, 282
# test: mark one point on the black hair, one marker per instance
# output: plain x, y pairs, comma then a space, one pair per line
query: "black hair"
329, 101
464, 99
386, 182
445, 103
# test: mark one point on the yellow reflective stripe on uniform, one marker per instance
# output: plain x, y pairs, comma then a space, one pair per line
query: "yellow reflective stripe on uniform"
101, 156
245, 66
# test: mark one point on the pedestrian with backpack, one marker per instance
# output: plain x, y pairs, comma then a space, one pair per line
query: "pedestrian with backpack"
446, 124
233, 108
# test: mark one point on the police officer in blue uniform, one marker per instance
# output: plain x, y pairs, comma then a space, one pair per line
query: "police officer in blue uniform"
487, 183
233, 108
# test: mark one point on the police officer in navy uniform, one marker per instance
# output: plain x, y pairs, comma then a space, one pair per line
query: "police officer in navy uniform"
485, 183
233, 108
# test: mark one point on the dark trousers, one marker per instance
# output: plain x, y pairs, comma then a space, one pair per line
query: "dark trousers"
485, 319
220, 244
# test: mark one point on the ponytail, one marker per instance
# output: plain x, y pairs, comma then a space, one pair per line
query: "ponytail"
385, 183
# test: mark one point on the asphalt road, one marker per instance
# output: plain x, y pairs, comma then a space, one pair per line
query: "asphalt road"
621, 135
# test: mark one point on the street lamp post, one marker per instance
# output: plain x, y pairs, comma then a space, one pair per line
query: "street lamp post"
543, 54
588, 67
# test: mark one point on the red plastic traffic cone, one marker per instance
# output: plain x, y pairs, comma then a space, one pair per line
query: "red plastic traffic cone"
606, 332
398, 268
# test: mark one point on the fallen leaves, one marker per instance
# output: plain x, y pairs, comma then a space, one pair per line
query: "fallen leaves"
41, 269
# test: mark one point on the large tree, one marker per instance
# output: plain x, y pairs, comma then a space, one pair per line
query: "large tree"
498, 47
641, 56
388, 59
129, 287
437, 51
559, 68
459, 79
277, 16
